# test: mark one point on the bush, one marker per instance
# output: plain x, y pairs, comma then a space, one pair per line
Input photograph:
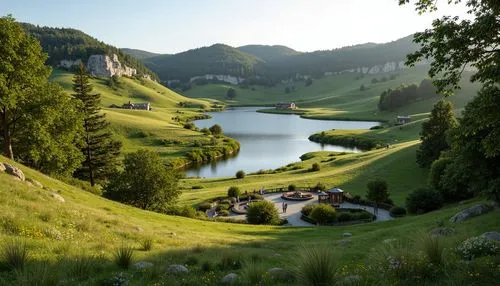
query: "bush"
423, 200
197, 187
233, 192
189, 125
15, 254
240, 174
123, 256
396, 211
476, 247
320, 187
307, 209
315, 167
292, 187
204, 206
317, 266
224, 213
323, 213
262, 212
344, 216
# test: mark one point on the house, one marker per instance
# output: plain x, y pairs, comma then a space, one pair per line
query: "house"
137, 106
400, 120
287, 105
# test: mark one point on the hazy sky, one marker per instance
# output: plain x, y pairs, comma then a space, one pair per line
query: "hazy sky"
171, 26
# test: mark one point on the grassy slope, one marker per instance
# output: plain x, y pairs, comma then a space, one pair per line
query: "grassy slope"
143, 129
336, 96
98, 226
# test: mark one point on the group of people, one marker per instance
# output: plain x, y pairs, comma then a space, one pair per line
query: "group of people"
284, 206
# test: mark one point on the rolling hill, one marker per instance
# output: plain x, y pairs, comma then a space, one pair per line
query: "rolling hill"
138, 54
269, 53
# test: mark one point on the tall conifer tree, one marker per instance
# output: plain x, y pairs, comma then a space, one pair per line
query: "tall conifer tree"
100, 150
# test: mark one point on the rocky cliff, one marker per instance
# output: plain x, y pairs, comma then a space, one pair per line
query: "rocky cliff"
104, 65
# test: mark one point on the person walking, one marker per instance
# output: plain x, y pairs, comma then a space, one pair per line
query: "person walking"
286, 206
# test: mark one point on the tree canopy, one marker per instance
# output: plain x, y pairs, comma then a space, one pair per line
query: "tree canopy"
377, 191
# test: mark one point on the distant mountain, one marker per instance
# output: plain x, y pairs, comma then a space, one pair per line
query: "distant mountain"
277, 62
216, 59
268, 53
138, 54
70, 44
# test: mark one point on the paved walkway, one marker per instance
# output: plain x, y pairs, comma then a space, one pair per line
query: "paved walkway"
294, 207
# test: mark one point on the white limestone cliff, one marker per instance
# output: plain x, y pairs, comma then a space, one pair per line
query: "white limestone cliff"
225, 78
104, 65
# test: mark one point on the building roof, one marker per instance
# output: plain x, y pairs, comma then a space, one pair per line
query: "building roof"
322, 194
335, 190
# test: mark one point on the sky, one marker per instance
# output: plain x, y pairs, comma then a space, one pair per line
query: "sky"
172, 26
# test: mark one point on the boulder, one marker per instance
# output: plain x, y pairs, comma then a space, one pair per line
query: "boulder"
2, 167
34, 182
347, 234
491, 235
57, 197
473, 211
143, 265
177, 269
442, 231
230, 278
14, 171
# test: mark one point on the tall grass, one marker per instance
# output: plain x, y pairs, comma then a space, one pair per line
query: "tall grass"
253, 273
39, 274
123, 256
433, 247
15, 254
147, 244
317, 266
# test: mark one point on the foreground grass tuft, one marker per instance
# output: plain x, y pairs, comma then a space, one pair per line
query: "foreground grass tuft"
317, 266
147, 244
433, 247
15, 254
124, 256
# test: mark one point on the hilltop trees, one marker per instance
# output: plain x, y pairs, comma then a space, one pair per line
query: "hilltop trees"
145, 182
100, 150
433, 134
394, 98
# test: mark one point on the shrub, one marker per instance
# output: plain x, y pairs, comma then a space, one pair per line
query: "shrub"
317, 266
233, 192
147, 244
189, 125
315, 167
323, 213
224, 213
240, 174
197, 187
307, 209
476, 247
344, 216
423, 200
396, 211
15, 254
123, 256
320, 187
204, 206
292, 187
262, 212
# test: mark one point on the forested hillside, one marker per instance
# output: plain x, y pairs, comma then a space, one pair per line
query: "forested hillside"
138, 54
71, 44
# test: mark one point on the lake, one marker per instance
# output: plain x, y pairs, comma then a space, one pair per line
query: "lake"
268, 141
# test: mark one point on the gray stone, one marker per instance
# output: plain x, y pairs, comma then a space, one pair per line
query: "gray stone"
442, 231
143, 265
230, 278
347, 234
34, 182
57, 197
104, 65
2, 167
14, 171
491, 235
473, 211
177, 269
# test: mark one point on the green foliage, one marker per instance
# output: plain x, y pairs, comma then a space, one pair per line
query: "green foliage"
423, 200
392, 99
253, 273
240, 174
315, 167
377, 191
262, 212
204, 206
348, 141
438, 180
216, 130
292, 187
320, 187
100, 150
323, 213
233, 192
231, 93
433, 134
476, 247
317, 266
22, 71
147, 243
396, 211
145, 182
307, 209
123, 256
15, 254
433, 247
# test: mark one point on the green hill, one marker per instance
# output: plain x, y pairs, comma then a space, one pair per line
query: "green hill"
138, 54
268, 53
71, 44
216, 59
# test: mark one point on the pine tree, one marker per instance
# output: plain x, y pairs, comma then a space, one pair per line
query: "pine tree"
433, 134
100, 150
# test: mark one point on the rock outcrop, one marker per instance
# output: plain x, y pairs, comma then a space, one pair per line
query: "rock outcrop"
225, 78
492, 235
104, 65
68, 64
177, 269
230, 278
14, 171
473, 211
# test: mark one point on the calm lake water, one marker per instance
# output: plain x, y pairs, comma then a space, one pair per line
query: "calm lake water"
268, 141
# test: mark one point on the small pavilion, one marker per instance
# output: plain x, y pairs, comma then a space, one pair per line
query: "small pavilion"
335, 196
323, 197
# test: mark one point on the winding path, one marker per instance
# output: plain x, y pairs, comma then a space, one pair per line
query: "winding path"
294, 207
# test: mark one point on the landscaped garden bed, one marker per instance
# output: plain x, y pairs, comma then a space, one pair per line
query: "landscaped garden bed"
325, 214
